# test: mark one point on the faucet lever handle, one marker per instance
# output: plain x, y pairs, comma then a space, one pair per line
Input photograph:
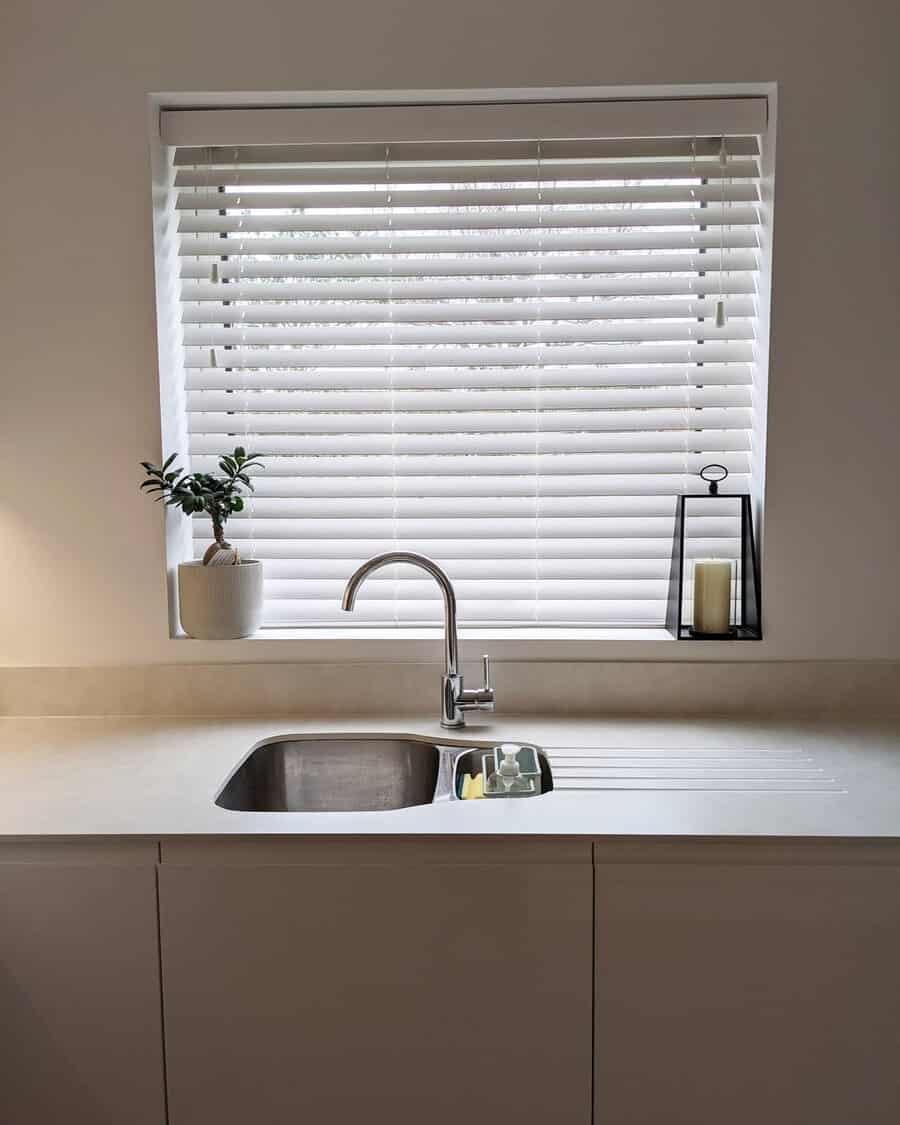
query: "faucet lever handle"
475, 699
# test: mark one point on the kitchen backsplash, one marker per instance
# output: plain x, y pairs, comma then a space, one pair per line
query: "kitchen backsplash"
552, 688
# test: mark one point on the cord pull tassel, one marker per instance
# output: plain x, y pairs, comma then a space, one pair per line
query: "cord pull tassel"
720, 314
214, 272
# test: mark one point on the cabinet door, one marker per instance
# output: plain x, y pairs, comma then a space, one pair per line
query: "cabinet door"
80, 1027
747, 994
435, 993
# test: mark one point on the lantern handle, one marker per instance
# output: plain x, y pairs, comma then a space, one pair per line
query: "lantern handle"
715, 481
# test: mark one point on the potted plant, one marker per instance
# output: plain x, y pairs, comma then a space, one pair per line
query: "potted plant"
220, 596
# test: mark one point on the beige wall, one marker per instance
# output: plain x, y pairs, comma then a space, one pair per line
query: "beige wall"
83, 570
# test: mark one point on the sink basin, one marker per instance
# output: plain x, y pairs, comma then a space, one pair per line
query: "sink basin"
340, 774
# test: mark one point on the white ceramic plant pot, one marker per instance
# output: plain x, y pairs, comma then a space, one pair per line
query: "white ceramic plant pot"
220, 603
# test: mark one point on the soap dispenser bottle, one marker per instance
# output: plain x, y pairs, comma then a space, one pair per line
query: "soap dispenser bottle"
507, 778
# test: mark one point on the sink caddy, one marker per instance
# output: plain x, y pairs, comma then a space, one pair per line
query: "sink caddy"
527, 773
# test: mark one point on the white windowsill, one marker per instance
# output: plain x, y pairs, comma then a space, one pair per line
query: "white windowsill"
423, 633
472, 634
330, 646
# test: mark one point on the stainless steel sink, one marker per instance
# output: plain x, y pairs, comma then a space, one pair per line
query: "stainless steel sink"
352, 773
341, 774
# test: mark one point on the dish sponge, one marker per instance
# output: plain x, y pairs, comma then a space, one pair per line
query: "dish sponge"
472, 787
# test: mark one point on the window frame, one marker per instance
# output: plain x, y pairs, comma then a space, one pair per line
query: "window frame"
416, 644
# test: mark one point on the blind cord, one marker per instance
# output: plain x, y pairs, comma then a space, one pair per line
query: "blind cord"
538, 375
395, 589
720, 304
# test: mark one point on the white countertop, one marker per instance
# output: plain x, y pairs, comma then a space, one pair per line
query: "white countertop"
66, 777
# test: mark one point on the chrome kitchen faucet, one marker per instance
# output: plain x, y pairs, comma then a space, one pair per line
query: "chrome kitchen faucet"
455, 699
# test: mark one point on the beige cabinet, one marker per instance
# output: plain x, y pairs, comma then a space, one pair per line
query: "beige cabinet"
747, 984
80, 1029
401, 983
440, 981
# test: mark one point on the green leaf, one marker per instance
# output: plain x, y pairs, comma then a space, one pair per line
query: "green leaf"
218, 495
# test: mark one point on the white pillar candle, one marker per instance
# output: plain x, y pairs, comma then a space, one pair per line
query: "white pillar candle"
712, 595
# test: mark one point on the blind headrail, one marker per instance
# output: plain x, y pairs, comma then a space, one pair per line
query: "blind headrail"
608, 118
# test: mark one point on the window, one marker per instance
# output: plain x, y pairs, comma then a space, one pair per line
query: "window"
503, 336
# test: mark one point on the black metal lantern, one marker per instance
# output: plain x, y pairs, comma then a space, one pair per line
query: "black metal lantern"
707, 601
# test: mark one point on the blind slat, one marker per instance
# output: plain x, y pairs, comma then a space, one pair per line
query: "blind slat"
497, 504
375, 355
584, 548
486, 266
229, 156
400, 290
586, 489
456, 312
300, 571
450, 173
395, 219
466, 245
465, 445
517, 377
195, 200
410, 432
498, 464
580, 613
492, 591
396, 336
547, 527
447, 403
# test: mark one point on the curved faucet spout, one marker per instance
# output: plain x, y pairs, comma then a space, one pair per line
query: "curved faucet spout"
455, 700
451, 654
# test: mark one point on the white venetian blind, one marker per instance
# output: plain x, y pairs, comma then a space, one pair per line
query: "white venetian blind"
504, 354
